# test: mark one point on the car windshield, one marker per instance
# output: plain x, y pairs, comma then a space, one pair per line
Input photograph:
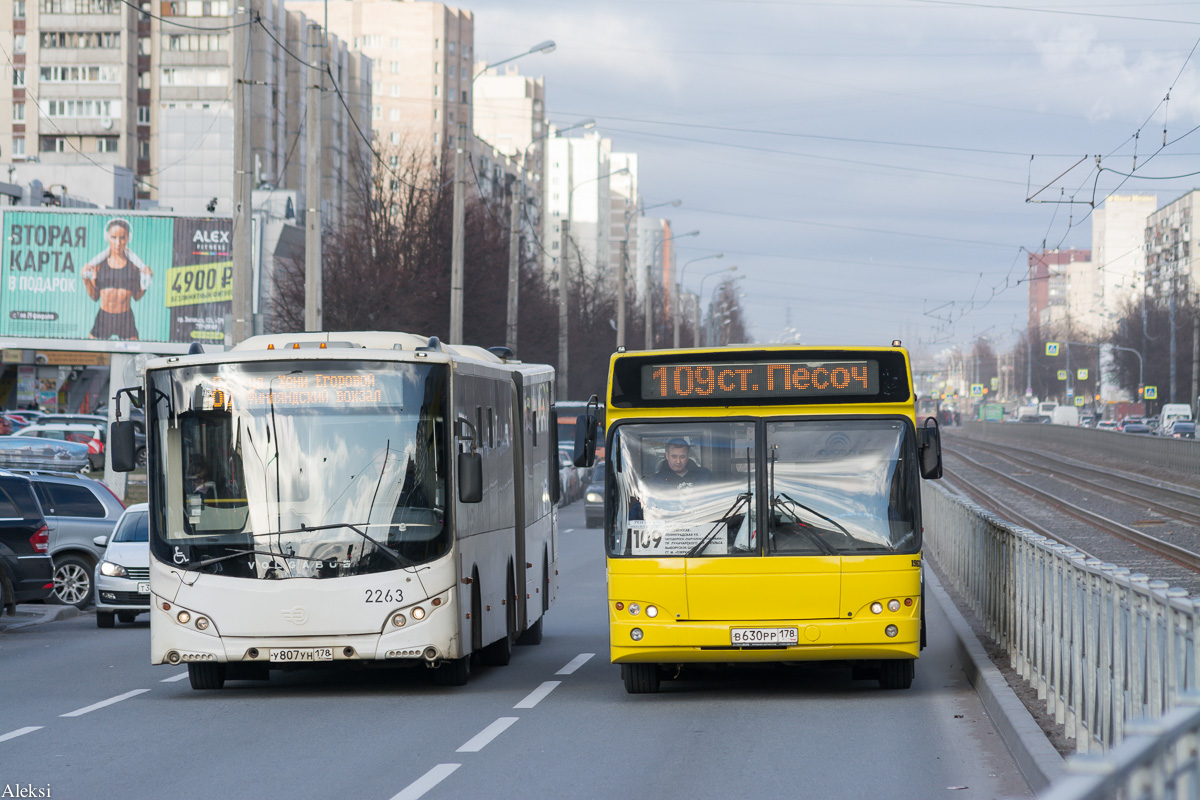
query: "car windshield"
299, 469
133, 527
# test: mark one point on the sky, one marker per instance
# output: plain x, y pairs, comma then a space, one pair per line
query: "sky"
868, 164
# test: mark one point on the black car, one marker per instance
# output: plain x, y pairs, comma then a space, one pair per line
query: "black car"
26, 571
1182, 429
593, 503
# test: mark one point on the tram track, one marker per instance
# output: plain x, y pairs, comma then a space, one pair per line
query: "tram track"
1153, 544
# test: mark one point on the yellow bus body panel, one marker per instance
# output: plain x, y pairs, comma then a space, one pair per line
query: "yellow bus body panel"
779, 587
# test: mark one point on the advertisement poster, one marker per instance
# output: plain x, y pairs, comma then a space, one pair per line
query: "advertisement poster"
114, 276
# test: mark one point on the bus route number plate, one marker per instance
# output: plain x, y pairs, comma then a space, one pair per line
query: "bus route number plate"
296, 654
764, 637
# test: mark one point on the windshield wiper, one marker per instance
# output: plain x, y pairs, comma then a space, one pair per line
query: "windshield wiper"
807, 530
400, 560
720, 523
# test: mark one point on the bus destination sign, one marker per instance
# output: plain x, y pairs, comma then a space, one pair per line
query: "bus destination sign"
763, 379
297, 390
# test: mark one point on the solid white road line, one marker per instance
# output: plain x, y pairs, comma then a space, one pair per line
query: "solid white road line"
481, 739
426, 782
174, 678
80, 712
19, 732
538, 694
568, 530
575, 663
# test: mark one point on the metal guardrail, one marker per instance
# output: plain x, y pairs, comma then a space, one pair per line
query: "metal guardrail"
1157, 760
1101, 646
1181, 455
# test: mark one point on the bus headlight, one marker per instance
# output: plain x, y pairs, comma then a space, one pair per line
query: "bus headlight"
636, 634
876, 608
635, 609
893, 605
651, 611
891, 631
202, 623
398, 620
418, 613
184, 618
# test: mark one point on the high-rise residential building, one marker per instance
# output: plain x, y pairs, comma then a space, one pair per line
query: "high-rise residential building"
652, 248
421, 56
577, 189
1098, 295
625, 201
1168, 237
95, 81
1048, 271
509, 113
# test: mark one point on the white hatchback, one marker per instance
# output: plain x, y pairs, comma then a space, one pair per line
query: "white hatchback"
123, 575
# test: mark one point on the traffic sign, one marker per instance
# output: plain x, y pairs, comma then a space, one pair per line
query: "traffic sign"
1062, 374
995, 384
1082, 374
976, 390
1051, 348
1079, 400
1151, 393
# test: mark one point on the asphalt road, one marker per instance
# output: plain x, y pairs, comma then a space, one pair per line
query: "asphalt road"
84, 715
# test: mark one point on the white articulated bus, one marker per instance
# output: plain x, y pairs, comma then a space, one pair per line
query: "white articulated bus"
352, 497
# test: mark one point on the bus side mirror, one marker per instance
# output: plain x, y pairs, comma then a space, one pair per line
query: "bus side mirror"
929, 449
586, 428
122, 446
470, 478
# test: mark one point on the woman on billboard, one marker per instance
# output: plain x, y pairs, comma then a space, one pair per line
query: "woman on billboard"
116, 277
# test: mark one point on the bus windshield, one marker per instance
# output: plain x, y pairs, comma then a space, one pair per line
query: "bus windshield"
293, 469
830, 487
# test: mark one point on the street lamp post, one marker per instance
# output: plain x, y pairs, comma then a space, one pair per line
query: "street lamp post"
514, 244
700, 296
622, 270
679, 293
461, 140
724, 287
649, 294
563, 261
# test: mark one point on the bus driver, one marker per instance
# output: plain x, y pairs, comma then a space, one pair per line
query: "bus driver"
678, 469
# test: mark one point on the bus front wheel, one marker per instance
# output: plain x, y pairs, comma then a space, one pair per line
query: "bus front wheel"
453, 672
640, 678
206, 676
896, 674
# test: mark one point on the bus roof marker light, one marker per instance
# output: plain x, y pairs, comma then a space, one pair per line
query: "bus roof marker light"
895, 342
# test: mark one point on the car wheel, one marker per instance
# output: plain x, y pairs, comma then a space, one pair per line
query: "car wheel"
72, 581
140, 458
105, 619
127, 616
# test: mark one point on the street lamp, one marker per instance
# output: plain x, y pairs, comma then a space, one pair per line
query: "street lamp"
514, 240
712, 317
649, 294
700, 296
461, 140
563, 260
622, 268
679, 292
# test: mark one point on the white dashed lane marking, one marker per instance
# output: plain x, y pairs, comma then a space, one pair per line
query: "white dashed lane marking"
426, 782
481, 739
538, 694
174, 678
110, 701
575, 663
19, 732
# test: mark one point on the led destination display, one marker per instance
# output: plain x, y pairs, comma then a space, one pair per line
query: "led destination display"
767, 379
317, 389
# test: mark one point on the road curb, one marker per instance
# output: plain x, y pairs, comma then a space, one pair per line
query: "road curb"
31, 614
1037, 759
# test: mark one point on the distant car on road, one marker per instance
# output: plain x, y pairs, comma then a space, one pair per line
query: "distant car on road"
1181, 429
593, 503
123, 574
1106, 425
26, 571
1140, 428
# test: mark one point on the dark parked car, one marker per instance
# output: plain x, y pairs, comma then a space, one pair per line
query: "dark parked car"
1137, 427
1182, 429
77, 509
26, 573
593, 503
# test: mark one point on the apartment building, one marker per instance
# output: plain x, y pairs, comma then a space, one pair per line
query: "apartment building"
577, 186
1048, 280
624, 204
1098, 295
95, 81
1168, 238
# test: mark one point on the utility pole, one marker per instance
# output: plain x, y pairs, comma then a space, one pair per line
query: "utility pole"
243, 323
649, 306
313, 278
516, 200
564, 261
622, 271
457, 243
1172, 327
1194, 401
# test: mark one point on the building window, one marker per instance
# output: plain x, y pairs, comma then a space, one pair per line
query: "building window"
436, 137
437, 68
80, 6
196, 8
106, 144
194, 42
394, 67
377, 88
143, 115
18, 77
144, 149
18, 148
195, 76
436, 44
143, 80
395, 43
80, 74
395, 139
19, 43
80, 40
393, 161
450, 48
464, 97
436, 113
18, 9
394, 90
554, 245
451, 67
436, 89
394, 115
53, 144
18, 112
83, 109
377, 112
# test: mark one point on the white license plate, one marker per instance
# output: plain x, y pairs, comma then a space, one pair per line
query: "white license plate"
295, 654
144, 588
764, 637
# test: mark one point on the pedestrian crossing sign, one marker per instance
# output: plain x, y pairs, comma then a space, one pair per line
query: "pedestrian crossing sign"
1051, 348
1082, 374
1151, 393
1062, 374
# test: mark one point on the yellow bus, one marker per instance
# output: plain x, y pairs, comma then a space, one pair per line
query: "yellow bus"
762, 504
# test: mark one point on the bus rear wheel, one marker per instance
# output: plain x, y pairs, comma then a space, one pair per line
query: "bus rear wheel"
206, 676
531, 635
896, 674
640, 678
453, 672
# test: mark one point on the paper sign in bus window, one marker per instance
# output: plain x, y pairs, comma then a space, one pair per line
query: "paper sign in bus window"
649, 538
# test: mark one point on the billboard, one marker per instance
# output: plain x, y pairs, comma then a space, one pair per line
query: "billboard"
115, 276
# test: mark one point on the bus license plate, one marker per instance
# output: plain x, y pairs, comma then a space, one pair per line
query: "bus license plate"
764, 637
295, 654
144, 587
